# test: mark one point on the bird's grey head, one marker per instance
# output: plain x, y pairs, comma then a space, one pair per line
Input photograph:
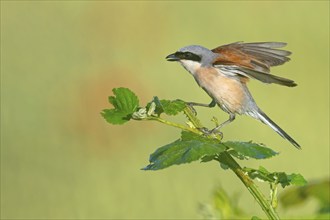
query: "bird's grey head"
193, 57
194, 53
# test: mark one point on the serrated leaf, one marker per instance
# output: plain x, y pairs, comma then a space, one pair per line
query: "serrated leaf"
172, 107
249, 149
190, 147
125, 103
237, 154
276, 177
297, 179
115, 117
264, 170
167, 106
292, 179
124, 100
260, 174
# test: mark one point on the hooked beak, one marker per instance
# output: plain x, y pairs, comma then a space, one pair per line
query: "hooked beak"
172, 57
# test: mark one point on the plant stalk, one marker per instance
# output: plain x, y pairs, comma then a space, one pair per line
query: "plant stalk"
226, 158
185, 128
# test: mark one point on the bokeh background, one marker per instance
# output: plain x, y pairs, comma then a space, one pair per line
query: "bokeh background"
60, 61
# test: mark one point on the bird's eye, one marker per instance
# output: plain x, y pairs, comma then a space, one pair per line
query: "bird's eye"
192, 56
189, 55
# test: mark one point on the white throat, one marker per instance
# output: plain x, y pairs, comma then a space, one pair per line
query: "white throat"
191, 66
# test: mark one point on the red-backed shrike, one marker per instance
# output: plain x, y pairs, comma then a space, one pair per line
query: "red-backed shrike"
224, 72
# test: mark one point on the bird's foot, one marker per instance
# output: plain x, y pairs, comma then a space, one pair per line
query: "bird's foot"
191, 107
213, 131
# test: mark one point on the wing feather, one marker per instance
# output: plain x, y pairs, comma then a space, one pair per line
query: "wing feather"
260, 56
247, 73
253, 60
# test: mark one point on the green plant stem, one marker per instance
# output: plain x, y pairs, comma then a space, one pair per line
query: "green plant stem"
226, 158
185, 128
273, 194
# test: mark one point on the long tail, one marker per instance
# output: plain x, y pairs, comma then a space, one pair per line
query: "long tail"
265, 119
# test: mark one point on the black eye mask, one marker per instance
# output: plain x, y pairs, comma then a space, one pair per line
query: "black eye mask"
188, 56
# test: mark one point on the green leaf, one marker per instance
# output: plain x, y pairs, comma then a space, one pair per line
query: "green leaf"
208, 158
292, 179
255, 218
114, 116
158, 109
297, 179
224, 166
167, 106
237, 154
190, 147
260, 174
124, 100
172, 107
276, 177
243, 150
125, 103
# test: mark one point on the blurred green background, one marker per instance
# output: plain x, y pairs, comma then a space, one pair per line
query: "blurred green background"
60, 61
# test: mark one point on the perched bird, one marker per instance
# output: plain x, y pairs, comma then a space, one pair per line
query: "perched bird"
224, 72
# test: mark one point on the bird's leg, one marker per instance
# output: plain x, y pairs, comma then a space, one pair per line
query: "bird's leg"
192, 104
231, 118
215, 130
211, 105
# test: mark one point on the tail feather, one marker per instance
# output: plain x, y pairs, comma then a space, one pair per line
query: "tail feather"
266, 120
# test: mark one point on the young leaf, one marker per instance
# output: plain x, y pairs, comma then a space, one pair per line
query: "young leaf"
248, 149
297, 179
125, 103
172, 107
276, 177
292, 179
115, 117
167, 106
158, 108
190, 147
261, 174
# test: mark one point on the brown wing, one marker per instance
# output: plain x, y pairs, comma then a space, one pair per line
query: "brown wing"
254, 59
259, 56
